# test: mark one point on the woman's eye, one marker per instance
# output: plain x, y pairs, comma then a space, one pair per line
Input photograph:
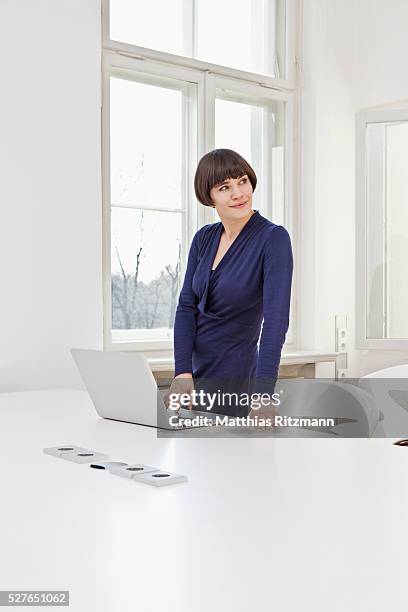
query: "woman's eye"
225, 187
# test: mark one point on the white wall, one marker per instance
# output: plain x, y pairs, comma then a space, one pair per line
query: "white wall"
50, 200
354, 56
50, 227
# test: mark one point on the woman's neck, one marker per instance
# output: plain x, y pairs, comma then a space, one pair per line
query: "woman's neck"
233, 227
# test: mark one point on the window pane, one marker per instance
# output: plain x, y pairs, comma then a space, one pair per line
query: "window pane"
397, 229
387, 229
146, 145
225, 33
243, 34
234, 125
157, 24
256, 133
146, 257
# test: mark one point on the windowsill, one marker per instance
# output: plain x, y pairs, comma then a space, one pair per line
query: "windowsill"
290, 357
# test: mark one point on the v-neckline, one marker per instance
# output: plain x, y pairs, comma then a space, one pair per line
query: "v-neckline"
218, 240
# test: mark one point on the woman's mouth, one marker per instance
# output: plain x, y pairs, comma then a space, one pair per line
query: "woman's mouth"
238, 205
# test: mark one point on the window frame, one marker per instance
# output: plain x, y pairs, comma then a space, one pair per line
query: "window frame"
292, 28
363, 118
207, 77
110, 63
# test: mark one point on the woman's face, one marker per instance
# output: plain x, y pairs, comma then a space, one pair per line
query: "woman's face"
233, 198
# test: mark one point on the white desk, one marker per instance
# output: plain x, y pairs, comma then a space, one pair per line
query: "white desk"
262, 524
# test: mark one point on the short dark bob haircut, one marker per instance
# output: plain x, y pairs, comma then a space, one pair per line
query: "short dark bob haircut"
217, 166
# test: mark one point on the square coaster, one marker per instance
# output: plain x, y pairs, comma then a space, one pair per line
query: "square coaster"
130, 471
58, 451
84, 456
160, 478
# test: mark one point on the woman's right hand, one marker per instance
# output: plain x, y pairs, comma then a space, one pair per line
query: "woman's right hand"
182, 384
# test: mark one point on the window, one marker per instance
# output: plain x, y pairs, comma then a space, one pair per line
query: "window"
382, 229
247, 35
150, 135
160, 114
255, 127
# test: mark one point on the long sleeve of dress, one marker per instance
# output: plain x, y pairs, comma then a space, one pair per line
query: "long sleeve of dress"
277, 280
186, 316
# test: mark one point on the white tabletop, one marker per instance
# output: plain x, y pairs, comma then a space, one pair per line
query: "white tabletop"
284, 524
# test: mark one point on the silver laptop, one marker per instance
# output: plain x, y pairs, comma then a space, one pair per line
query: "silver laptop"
122, 388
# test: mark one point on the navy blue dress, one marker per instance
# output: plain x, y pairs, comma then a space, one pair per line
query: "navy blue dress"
220, 313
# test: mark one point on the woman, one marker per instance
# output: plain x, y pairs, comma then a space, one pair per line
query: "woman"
238, 274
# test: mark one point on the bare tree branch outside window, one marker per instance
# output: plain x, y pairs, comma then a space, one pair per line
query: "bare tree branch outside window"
140, 305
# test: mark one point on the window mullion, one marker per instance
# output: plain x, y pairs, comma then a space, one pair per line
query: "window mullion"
187, 28
267, 164
194, 27
206, 213
148, 208
186, 161
290, 161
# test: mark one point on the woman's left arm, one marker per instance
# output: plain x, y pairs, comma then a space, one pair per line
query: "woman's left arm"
277, 282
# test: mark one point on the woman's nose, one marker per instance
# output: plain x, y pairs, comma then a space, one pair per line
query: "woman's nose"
236, 191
